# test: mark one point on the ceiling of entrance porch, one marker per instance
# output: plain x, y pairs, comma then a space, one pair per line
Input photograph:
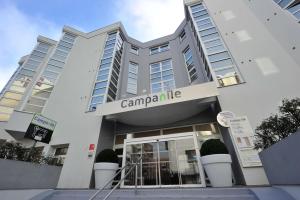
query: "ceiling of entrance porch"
165, 114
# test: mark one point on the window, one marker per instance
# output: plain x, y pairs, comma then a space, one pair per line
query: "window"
105, 87
134, 50
17, 85
216, 54
60, 155
132, 78
182, 36
293, 6
160, 48
189, 63
162, 76
45, 83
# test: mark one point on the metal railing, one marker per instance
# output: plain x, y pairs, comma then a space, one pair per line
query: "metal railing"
133, 166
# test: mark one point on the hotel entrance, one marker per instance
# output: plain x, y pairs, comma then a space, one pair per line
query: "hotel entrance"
166, 161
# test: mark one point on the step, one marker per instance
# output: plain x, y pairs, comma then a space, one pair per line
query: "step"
154, 194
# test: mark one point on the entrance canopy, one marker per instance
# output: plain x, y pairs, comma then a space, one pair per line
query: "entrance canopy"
161, 108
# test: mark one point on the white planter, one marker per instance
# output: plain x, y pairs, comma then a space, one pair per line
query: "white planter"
218, 169
104, 172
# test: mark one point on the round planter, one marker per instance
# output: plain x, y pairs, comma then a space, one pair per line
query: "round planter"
218, 169
104, 172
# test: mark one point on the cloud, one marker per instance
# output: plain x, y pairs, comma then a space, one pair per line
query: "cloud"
149, 19
18, 33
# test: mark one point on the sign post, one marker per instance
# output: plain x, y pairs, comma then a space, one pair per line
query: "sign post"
40, 129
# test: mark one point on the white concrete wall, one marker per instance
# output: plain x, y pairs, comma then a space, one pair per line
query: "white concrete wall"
68, 105
270, 71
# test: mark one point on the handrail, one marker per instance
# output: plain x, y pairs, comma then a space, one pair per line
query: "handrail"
134, 165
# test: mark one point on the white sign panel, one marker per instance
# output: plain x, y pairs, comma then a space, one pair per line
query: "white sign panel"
243, 136
199, 91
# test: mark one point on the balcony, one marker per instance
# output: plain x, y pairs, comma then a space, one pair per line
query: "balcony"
18, 124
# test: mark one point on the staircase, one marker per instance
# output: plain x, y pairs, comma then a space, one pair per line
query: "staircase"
153, 194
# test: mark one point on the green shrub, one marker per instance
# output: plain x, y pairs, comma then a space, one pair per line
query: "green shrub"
107, 155
213, 146
15, 151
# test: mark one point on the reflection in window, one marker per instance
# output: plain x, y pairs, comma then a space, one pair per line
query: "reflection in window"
215, 50
160, 48
162, 76
132, 78
207, 131
189, 63
13, 92
106, 85
134, 50
45, 83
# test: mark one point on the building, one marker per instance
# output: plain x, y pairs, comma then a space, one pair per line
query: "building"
160, 97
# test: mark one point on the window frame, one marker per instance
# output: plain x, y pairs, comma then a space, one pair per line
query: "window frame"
161, 82
159, 48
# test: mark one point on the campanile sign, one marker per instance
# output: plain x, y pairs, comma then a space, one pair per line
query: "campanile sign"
40, 129
194, 92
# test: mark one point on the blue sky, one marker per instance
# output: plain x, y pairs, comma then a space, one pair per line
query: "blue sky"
21, 21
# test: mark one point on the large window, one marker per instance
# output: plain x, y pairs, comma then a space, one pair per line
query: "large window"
213, 48
132, 78
189, 63
46, 82
162, 76
106, 84
134, 50
22, 78
160, 48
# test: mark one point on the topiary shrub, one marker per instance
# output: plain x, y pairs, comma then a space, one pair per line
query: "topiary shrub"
213, 146
107, 155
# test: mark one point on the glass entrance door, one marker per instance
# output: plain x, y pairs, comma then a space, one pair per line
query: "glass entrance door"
166, 161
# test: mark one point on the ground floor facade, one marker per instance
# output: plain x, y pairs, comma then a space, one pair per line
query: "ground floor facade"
168, 135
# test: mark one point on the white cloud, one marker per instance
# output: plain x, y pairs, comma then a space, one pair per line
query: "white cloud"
18, 33
149, 19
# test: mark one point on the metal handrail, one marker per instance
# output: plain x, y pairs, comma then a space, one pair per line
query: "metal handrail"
134, 165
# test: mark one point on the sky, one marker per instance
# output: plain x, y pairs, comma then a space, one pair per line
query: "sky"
21, 21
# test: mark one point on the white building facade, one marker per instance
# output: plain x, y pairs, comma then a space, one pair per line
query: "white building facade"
160, 98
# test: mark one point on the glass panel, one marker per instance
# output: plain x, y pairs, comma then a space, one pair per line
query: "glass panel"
187, 161
133, 152
41, 93
216, 49
297, 14
99, 91
294, 8
32, 108
222, 63
9, 102
207, 131
101, 84
218, 56
284, 3
12, 95
210, 37
146, 134
36, 101
120, 139
6, 110
168, 163
97, 100
4, 117
178, 130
